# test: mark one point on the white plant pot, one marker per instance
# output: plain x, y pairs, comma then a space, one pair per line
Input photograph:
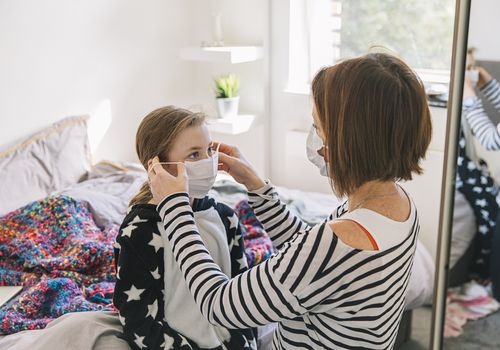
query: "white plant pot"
228, 107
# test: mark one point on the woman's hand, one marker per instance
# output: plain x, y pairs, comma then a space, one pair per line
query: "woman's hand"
232, 161
468, 89
484, 77
162, 183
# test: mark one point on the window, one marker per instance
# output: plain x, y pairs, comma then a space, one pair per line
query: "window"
325, 31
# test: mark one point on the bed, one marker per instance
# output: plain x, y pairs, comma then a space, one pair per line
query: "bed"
59, 215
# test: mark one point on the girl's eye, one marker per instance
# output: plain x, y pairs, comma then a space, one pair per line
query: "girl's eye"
194, 155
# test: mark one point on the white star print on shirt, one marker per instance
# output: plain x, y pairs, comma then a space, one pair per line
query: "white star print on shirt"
156, 274
152, 309
233, 220
481, 202
242, 261
127, 231
134, 293
168, 341
483, 229
139, 341
156, 242
237, 240
185, 342
137, 220
122, 319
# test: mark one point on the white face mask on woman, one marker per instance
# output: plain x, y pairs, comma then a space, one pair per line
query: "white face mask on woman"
201, 174
313, 145
473, 75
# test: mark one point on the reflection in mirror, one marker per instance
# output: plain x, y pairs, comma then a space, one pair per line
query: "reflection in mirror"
472, 319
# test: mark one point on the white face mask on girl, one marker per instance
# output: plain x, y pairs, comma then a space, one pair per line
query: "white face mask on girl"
313, 145
201, 174
473, 75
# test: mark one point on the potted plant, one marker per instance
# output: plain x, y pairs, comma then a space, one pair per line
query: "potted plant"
226, 89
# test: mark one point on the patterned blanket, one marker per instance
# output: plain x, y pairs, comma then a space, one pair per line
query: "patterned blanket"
258, 245
64, 262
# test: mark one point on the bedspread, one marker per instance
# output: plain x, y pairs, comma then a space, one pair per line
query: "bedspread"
64, 262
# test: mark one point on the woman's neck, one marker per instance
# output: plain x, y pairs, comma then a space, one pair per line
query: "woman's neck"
372, 191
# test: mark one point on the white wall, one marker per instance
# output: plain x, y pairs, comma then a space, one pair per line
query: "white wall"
483, 28
289, 165
60, 58
243, 23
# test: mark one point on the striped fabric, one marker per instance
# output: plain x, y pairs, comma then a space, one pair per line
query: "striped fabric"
482, 127
323, 293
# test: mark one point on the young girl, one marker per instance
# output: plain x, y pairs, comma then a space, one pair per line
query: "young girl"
155, 306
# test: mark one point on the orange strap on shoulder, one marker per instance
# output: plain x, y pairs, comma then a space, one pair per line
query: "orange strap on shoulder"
372, 240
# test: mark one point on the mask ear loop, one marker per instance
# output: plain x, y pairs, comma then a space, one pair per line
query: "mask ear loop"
166, 163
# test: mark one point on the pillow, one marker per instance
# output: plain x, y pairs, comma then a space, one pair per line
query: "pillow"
45, 162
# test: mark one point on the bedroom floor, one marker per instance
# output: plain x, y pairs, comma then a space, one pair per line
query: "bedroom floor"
481, 334
478, 335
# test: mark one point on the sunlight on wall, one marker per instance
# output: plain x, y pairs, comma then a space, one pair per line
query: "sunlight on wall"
99, 123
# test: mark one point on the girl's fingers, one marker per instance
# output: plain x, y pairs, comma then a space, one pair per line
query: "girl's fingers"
156, 167
181, 169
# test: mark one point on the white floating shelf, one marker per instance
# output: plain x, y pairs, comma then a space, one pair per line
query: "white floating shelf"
235, 125
222, 54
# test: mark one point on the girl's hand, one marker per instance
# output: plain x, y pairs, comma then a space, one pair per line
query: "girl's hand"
232, 161
162, 183
484, 77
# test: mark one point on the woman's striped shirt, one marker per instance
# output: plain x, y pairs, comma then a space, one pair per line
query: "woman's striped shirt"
482, 127
322, 293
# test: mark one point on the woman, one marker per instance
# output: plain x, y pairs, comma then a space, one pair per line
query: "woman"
342, 283
473, 179
155, 307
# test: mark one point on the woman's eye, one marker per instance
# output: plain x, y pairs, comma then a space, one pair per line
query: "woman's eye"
194, 155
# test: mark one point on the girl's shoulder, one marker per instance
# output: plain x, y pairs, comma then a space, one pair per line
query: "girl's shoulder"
140, 221
141, 213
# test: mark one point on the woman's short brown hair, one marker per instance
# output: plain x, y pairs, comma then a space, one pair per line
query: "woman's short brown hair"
374, 114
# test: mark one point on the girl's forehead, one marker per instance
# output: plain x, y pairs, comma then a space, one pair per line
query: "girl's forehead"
193, 137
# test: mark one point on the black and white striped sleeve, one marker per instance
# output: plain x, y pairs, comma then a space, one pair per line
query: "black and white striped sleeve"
482, 127
280, 223
491, 91
266, 293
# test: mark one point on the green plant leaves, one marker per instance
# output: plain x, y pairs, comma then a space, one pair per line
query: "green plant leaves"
227, 86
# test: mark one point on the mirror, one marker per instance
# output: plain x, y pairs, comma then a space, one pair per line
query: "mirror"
468, 282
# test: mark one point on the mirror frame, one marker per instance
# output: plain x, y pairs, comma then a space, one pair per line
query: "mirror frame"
454, 114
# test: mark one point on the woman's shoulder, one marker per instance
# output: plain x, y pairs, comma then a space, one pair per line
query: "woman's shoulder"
351, 234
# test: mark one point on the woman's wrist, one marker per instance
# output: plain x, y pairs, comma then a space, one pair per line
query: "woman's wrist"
254, 183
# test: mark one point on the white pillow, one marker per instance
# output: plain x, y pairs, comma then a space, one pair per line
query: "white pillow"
45, 162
